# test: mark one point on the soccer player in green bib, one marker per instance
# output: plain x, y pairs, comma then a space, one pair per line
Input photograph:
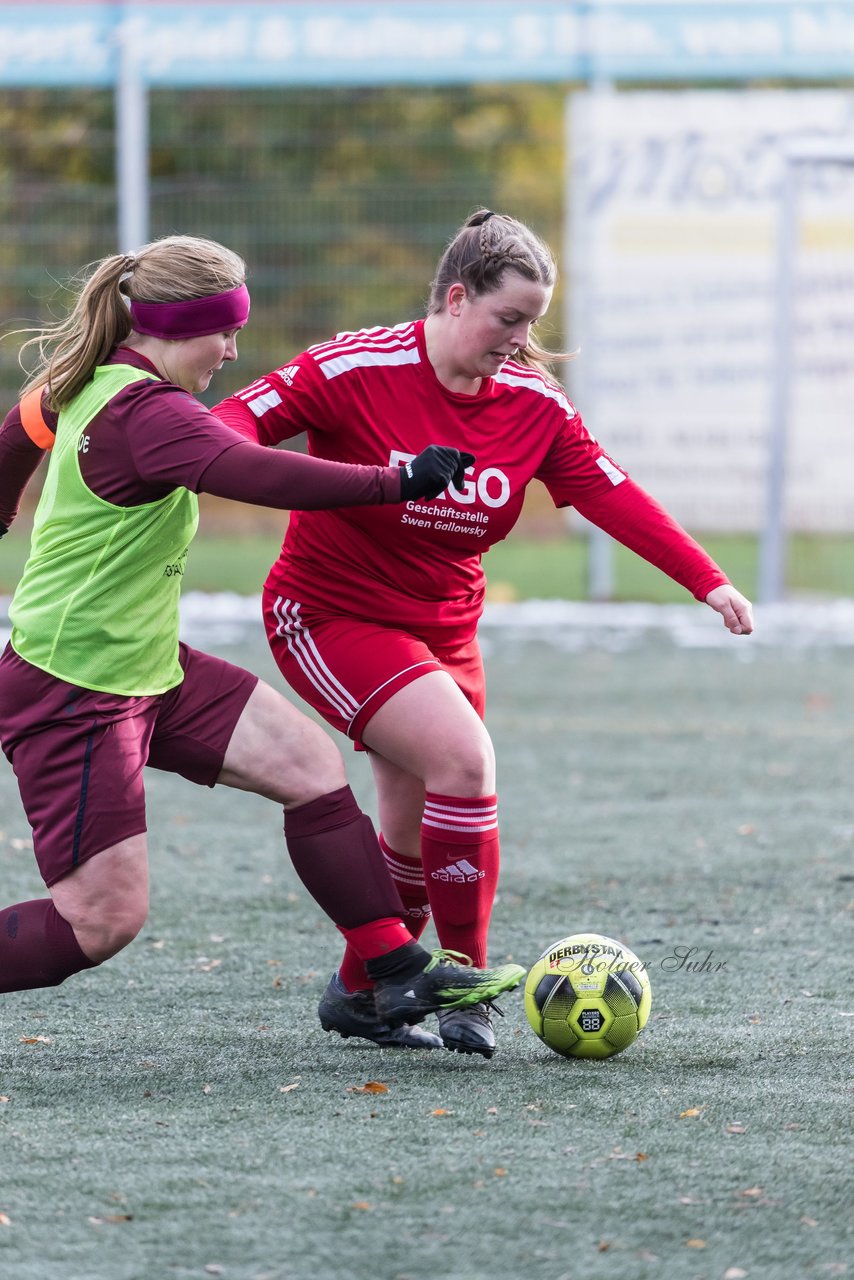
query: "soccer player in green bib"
95, 683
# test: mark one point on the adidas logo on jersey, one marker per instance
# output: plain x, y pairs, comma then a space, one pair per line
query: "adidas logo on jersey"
288, 373
461, 872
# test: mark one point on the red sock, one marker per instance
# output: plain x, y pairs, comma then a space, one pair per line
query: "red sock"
460, 851
376, 938
37, 947
408, 875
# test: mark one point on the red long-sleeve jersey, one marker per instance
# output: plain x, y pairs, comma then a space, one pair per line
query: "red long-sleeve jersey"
373, 397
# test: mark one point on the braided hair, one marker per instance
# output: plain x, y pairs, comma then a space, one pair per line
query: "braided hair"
486, 246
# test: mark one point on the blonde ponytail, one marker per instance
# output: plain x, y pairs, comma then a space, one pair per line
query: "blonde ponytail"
172, 269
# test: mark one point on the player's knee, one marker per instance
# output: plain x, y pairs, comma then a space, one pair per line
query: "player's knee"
114, 928
318, 768
466, 772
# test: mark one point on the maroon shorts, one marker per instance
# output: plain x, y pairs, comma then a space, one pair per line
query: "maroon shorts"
78, 754
347, 668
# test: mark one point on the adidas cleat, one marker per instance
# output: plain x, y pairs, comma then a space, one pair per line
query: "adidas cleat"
468, 1030
447, 981
353, 1013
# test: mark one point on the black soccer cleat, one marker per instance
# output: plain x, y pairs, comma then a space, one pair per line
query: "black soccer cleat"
447, 981
468, 1030
353, 1013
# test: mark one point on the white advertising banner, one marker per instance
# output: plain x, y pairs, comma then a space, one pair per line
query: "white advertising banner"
675, 202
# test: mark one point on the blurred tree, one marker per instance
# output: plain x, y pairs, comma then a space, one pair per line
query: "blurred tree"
339, 199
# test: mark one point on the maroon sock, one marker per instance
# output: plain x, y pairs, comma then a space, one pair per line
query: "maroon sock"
335, 853
37, 947
408, 875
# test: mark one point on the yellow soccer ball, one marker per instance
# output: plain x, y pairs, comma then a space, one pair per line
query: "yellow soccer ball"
588, 996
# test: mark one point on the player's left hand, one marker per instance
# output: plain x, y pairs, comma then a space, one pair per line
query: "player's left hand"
432, 470
735, 609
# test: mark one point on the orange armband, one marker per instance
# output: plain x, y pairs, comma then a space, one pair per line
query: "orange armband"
33, 420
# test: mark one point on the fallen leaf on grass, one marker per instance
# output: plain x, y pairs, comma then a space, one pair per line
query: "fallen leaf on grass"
691, 1112
5, 1220
735, 1127
500, 1173
35, 1040
809, 1222
286, 1088
206, 1088
603, 1246
110, 1218
441, 1111
361, 1204
689, 1200
734, 1273
695, 1244
4, 1097
752, 1191
370, 1086
641, 1155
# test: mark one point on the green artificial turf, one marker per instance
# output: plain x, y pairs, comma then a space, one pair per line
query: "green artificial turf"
185, 1116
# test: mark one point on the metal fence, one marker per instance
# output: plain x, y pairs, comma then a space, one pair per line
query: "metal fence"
340, 200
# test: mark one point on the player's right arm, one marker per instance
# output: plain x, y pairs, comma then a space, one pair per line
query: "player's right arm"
278, 406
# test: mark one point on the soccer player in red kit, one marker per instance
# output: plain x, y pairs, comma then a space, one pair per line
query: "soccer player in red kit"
372, 613
95, 684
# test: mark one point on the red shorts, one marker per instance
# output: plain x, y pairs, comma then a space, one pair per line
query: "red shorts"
347, 668
78, 754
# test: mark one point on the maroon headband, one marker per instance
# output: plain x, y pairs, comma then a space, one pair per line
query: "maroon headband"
196, 318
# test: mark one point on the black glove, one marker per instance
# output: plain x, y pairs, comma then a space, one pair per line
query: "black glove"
3, 529
433, 470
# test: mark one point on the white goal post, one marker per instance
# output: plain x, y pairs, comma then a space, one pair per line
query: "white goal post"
800, 157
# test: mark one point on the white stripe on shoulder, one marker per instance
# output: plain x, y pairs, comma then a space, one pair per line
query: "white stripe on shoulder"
517, 375
367, 347
378, 336
365, 359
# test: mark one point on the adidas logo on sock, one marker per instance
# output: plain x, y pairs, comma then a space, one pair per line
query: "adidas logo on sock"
461, 872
